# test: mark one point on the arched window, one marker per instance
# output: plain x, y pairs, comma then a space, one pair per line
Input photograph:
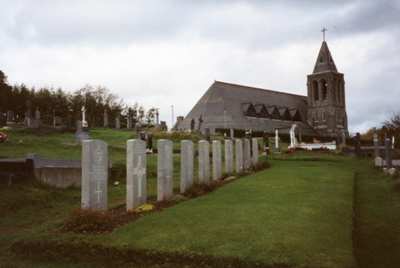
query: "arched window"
315, 90
324, 87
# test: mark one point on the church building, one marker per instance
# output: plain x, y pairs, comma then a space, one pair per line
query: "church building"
322, 113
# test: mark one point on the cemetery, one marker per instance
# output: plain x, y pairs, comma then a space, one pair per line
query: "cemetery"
120, 148
147, 204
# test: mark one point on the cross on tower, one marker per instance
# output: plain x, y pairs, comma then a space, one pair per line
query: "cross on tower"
323, 32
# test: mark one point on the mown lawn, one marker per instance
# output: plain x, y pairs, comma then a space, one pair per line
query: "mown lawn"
297, 213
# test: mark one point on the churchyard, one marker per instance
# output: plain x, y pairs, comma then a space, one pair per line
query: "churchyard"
309, 209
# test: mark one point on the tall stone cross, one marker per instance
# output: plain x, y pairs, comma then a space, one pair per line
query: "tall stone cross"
324, 30
140, 171
84, 123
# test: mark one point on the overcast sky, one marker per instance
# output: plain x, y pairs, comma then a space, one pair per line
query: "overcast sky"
163, 53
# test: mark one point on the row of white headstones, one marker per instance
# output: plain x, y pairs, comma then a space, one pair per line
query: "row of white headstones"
95, 168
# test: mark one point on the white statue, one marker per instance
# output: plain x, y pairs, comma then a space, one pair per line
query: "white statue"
276, 139
84, 122
293, 140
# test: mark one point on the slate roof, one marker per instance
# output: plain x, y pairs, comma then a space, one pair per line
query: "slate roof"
223, 106
325, 62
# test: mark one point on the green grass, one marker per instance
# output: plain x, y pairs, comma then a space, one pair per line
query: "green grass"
377, 224
287, 214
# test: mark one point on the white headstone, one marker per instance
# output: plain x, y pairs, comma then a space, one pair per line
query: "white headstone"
239, 155
186, 165
204, 162
246, 154
276, 139
217, 160
228, 156
136, 186
378, 161
165, 187
254, 157
94, 174
105, 118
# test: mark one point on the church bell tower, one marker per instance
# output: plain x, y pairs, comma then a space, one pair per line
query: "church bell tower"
326, 97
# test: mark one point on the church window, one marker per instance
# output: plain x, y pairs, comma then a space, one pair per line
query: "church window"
324, 86
321, 59
315, 90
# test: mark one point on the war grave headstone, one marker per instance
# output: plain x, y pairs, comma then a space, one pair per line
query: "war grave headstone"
246, 154
94, 174
204, 161
136, 184
217, 160
238, 155
187, 163
255, 151
117, 122
164, 170
228, 156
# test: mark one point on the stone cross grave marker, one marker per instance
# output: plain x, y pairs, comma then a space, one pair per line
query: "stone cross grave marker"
254, 157
239, 155
186, 165
216, 160
164, 170
94, 174
388, 152
204, 162
376, 144
246, 154
136, 184
228, 156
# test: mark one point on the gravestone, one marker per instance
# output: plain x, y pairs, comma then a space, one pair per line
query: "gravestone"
388, 152
94, 174
105, 118
10, 116
128, 122
164, 170
136, 185
232, 133
186, 165
217, 160
378, 161
376, 144
117, 122
204, 162
228, 156
246, 154
254, 157
239, 155
81, 134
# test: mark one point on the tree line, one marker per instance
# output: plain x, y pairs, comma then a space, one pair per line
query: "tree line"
51, 103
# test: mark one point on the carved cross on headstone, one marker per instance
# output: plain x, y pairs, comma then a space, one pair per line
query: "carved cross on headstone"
140, 171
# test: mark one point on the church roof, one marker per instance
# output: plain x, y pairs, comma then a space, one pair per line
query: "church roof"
325, 62
227, 105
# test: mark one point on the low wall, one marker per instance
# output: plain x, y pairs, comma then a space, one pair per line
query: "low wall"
59, 177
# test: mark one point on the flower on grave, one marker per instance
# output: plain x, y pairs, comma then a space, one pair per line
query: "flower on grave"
144, 208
